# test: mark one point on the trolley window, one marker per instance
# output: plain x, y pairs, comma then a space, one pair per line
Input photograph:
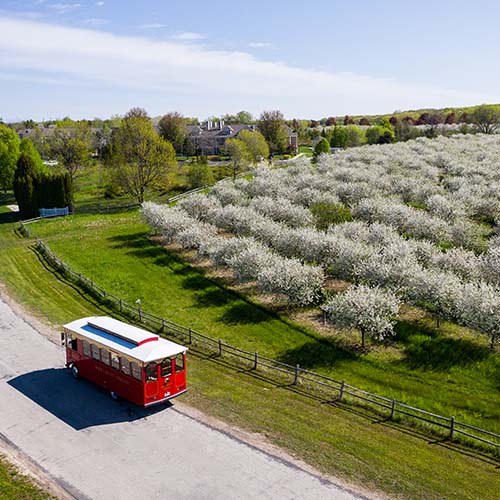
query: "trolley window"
115, 361
125, 364
179, 363
151, 372
166, 367
136, 371
105, 357
71, 341
95, 351
86, 348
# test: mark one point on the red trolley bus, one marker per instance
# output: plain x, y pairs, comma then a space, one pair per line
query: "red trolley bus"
131, 363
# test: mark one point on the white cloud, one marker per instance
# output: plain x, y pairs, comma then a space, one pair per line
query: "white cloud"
188, 36
95, 21
224, 80
259, 45
152, 26
64, 7
99, 4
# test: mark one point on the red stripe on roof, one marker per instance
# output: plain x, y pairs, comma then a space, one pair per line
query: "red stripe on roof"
151, 339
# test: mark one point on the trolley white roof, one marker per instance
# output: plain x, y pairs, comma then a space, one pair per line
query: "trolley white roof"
124, 338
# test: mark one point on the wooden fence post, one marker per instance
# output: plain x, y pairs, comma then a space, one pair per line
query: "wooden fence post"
296, 377
220, 347
341, 395
393, 408
255, 360
139, 312
163, 325
452, 427
121, 305
190, 332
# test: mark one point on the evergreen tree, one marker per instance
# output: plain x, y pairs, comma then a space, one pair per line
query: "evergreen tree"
27, 147
323, 146
24, 180
339, 137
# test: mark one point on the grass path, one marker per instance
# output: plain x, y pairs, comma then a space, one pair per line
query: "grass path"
343, 441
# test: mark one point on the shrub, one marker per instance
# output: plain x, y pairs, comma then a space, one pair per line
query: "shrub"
326, 214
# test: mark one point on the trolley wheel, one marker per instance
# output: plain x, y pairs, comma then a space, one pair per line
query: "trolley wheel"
114, 396
75, 372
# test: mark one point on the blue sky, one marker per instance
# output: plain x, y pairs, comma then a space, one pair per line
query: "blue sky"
88, 59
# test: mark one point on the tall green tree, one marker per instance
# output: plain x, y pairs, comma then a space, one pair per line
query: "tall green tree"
339, 137
34, 189
373, 134
137, 112
237, 150
139, 159
486, 118
383, 133
255, 143
9, 154
24, 179
172, 127
72, 146
355, 136
199, 174
28, 148
322, 147
272, 126
244, 117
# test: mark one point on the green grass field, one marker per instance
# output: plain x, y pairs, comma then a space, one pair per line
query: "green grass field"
16, 486
307, 150
449, 371
115, 251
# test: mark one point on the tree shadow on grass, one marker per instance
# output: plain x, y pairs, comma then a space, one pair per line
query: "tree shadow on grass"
214, 297
426, 348
7, 217
442, 353
244, 313
240, 310
140, 245
406, 330
320, 353
196, 281
210, 294
138, 239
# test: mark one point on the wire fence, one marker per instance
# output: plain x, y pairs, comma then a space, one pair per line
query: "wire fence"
313, 384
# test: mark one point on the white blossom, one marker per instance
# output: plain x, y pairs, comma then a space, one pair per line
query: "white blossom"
372, 311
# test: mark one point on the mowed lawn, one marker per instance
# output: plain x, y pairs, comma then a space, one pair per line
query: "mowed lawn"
447, 371
116, 253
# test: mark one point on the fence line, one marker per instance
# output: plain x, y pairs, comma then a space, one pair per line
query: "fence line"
310, 382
